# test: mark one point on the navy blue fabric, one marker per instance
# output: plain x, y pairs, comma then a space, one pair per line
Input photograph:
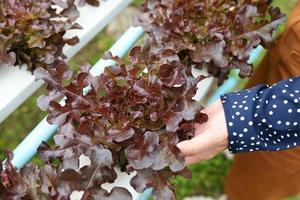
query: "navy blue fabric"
265, 118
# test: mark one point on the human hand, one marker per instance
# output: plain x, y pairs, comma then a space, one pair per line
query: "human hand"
210, 138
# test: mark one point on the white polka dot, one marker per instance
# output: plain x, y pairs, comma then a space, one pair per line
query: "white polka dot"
290, 110
296, 100
242, 118
296, 135
273, 96
246, 108
230, 124
298, 110
285, 101
296, 91
270, 112
255, 115
250, 150
250, 123
232, 142
292, 95
241, 135
245, 130
263, 120
295, 123
270, 126
234, 134
252, 138
279, 122
287, 123
237, 113
274, 106
284, 91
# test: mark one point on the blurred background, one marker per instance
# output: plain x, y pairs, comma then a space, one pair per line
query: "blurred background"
208, 177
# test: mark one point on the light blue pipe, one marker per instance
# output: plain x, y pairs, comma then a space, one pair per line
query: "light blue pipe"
44, 131
232, 81
145, 195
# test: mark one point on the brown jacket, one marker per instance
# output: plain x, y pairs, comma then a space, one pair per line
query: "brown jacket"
271, 175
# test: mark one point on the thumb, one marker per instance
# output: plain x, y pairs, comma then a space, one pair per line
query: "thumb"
196, 145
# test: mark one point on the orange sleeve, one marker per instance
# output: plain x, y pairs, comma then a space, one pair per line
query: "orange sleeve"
289, 46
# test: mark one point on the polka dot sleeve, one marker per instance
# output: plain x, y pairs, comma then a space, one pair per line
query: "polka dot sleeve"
264, 118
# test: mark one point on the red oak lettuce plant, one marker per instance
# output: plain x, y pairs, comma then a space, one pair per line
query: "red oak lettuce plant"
131, 116
91, 2
216, 34
31, 32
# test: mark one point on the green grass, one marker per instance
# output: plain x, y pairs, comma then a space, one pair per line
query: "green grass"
137, 3
23, 120
293, 198
208, 178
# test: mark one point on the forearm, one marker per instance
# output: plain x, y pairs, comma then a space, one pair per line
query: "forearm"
264, 118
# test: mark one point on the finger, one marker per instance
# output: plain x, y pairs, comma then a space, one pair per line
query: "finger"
192, 160
196, 145
197, 125
200, 157
199, 128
